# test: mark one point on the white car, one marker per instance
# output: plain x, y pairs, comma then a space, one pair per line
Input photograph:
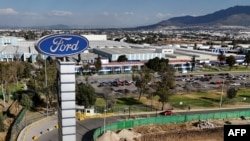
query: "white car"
235, 84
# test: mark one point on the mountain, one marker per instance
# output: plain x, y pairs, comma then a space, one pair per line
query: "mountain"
57, 26
233, 16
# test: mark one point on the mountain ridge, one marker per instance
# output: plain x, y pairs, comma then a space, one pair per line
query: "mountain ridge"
233, 16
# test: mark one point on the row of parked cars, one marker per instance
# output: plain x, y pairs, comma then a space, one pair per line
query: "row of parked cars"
116, 83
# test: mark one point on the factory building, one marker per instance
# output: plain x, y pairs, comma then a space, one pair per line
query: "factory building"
179, 56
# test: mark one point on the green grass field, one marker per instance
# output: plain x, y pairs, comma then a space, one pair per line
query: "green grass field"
210, 99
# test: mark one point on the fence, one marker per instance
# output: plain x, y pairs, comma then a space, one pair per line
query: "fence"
15, 127
22, 121
169, 119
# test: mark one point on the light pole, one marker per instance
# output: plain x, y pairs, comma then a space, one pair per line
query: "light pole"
104, 121
46, 86
221, 93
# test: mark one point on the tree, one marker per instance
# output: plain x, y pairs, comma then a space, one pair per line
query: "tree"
27, 69
7, 76
85, 68
193, 60
85, 95
230, 60
163, 92
44, 82
107, 95
26, 101
39, 61
154, 64
221, 57
166, 72
51, 82
231, 93
142, 78
122, 58
247, 58
2, 128
163, 89
79, 58
135, 69
98, 64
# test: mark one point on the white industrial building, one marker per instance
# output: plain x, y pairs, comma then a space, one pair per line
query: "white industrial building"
13, 47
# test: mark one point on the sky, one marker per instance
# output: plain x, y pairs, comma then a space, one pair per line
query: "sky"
105, 13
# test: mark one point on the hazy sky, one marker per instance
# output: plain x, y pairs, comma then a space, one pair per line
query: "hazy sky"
105, 13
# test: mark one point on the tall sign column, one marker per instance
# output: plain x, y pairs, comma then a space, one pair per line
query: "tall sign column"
62, 45
66, 101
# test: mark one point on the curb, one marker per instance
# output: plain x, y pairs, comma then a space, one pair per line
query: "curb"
23, 134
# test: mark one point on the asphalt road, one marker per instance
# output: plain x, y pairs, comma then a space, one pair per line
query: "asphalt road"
86, 128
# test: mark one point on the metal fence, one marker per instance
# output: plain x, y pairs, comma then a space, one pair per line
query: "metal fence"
21, 122
169, 119
15, 127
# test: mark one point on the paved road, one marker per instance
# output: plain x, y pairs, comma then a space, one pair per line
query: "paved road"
85, 128
38, 128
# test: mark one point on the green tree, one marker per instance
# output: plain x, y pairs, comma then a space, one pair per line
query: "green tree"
44, 82
2, 128
142, 79
122, 58
98, 64
27, 69
166, 72
164, 87
85, 95
231, 93
230, 60
163, 92
221, 57
193, 60
154, 64
247, 58
51, 82
7, 76
26, 101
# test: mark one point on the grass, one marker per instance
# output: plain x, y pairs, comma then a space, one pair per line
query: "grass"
127, 101
235, 68
208, 99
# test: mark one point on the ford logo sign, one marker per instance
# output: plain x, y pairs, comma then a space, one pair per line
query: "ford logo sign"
61, 45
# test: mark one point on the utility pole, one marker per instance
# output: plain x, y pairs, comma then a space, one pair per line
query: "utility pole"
46, 87
222, 92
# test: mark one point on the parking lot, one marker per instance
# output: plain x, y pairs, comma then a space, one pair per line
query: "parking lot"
122, 85
210, 81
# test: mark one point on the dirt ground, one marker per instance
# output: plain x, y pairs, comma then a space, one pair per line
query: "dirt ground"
8, 121
191, 131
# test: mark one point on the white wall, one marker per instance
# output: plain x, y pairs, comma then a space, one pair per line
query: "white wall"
96, 37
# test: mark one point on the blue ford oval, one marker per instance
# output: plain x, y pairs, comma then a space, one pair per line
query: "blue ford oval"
61, 45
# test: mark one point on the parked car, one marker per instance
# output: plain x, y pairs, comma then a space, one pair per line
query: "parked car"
235, 84
167, 113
